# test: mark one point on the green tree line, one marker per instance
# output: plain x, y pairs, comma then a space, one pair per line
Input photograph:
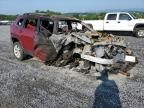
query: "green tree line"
7, 17
81, 16
48, 12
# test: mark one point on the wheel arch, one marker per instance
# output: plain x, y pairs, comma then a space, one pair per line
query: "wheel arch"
14, 39
139, 25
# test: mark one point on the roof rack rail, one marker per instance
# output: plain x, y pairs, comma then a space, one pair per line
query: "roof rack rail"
63, 16
43, 14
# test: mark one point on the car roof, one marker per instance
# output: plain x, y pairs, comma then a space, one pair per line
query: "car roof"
53, 17
117, 12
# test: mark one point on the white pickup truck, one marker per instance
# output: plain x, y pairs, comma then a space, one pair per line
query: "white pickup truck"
119, 21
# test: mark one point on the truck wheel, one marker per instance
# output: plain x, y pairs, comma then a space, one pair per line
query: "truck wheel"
18, 51
139, 32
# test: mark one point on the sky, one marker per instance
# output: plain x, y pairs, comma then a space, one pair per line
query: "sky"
23, 6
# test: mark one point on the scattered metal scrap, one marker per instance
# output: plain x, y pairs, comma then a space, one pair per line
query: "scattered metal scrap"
84, 48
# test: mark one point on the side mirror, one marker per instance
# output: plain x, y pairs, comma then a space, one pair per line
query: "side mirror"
129, 19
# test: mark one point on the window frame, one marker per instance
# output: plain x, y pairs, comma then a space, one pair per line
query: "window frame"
46, 19
30, 18
128, 18
111, 19
22, 24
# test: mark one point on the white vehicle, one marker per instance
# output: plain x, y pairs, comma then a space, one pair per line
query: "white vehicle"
5, 22
119, 21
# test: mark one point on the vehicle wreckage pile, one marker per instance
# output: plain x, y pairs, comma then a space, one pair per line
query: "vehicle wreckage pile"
68, 42
86, 50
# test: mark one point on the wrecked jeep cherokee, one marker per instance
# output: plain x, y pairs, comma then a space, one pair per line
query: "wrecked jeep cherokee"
66, 41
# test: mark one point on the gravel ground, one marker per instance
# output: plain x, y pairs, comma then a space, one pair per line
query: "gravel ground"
31, 84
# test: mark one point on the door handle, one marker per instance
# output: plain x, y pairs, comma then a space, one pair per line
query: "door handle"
107, 22
118, 22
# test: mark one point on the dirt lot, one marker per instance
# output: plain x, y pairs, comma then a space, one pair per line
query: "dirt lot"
31, 84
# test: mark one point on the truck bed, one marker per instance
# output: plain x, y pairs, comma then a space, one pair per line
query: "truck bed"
97, 24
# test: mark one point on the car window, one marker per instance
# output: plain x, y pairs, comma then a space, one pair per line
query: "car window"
76, 26
31, 22
111, 17
68, 25
124, 17
62, 24
20, 22
47, 24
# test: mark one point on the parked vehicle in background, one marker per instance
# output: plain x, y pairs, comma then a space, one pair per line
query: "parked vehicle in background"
5, 22
119, 21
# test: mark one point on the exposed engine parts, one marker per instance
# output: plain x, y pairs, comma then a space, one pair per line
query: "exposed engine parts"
81, 51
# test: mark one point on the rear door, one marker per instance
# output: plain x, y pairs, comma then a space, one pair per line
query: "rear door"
110, 22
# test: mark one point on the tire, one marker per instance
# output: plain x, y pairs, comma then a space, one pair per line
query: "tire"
139, 32
18, 51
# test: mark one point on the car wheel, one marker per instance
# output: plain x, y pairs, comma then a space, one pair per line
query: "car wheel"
18, 51
140, 32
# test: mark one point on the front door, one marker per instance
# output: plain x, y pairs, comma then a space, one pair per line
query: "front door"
124, 22
28, 34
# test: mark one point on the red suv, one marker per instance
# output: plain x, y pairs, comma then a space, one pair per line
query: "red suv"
30, 35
